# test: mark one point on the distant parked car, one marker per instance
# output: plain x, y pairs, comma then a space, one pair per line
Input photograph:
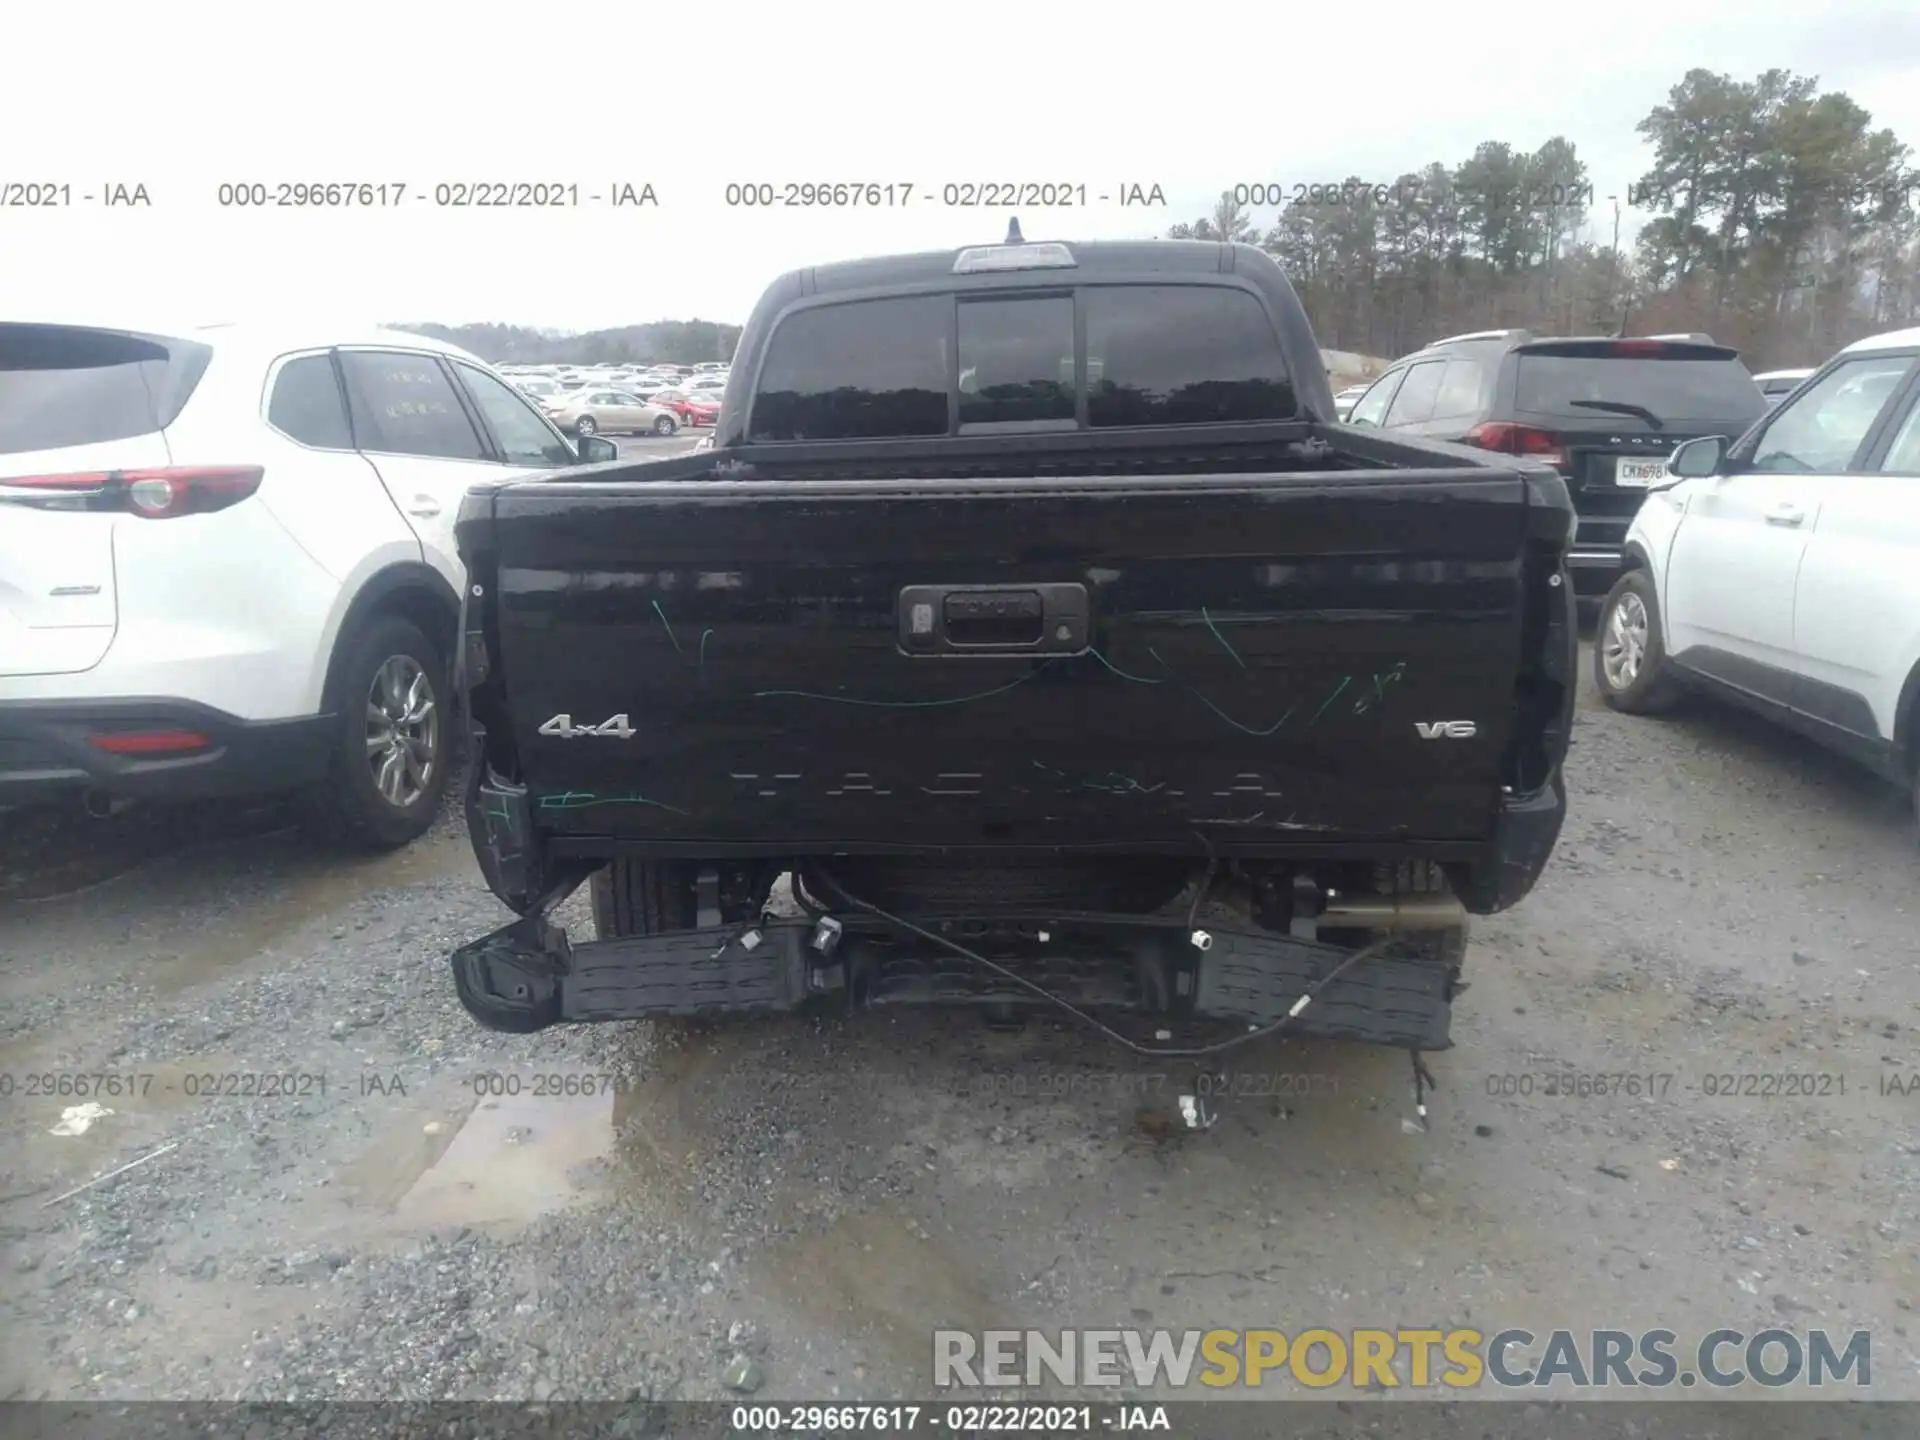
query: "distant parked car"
590, 411
1345, 400
1776, 385
538, 386
1605, 411
690, 407
679, 401
698, 383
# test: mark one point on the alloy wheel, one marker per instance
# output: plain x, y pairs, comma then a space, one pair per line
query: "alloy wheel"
403, 731
1623, 645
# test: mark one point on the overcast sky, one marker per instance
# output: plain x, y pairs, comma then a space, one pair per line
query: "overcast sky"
187, 95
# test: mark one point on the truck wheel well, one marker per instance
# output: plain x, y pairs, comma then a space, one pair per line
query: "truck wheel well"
413, 593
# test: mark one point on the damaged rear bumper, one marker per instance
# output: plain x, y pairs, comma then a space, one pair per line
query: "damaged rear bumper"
529, 975
522, 868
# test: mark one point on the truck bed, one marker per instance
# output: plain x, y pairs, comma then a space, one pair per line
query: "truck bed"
1321, 641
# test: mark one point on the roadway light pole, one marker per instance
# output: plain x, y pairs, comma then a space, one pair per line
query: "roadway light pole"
1613, 266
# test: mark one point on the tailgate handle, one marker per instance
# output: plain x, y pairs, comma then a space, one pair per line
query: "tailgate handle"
995, 617
1046, 619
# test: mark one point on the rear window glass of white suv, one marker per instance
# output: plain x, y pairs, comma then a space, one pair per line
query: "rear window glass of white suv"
306, 404
64, 385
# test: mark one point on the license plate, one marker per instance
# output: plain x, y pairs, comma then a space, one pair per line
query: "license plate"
1639, 474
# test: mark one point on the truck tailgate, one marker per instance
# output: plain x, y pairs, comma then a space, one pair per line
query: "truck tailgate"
1257, 659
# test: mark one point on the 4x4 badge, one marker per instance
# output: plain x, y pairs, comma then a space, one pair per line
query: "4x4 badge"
563, 726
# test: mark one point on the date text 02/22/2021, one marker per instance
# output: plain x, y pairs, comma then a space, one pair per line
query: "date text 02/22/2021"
951, 195
1355, 193
1659, 1085
966, 1419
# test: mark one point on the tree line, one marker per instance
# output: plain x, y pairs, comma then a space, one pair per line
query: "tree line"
1775, 217
662, 342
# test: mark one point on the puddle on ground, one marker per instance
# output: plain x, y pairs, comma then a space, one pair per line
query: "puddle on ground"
878, 1278
509, 1161
658, 1121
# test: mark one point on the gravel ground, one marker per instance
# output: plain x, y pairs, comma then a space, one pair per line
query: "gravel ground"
789, 1209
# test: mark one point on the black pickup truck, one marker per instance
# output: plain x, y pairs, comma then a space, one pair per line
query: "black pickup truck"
1032, 634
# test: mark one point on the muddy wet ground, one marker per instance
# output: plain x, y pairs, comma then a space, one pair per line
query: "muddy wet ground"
344, 1188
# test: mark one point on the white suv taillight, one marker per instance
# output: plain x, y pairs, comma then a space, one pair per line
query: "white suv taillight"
153, 493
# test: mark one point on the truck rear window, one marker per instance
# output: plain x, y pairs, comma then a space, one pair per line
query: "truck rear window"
1718, 390
1155, 355
64, 385
865, 369
1016, 362
1182, 355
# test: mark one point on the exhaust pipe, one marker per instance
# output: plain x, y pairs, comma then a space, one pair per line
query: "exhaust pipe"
1390, 912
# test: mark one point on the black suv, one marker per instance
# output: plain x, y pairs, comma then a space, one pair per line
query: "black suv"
1605, 412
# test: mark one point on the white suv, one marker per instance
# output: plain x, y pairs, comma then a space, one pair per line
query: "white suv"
227, 562
1783, 570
